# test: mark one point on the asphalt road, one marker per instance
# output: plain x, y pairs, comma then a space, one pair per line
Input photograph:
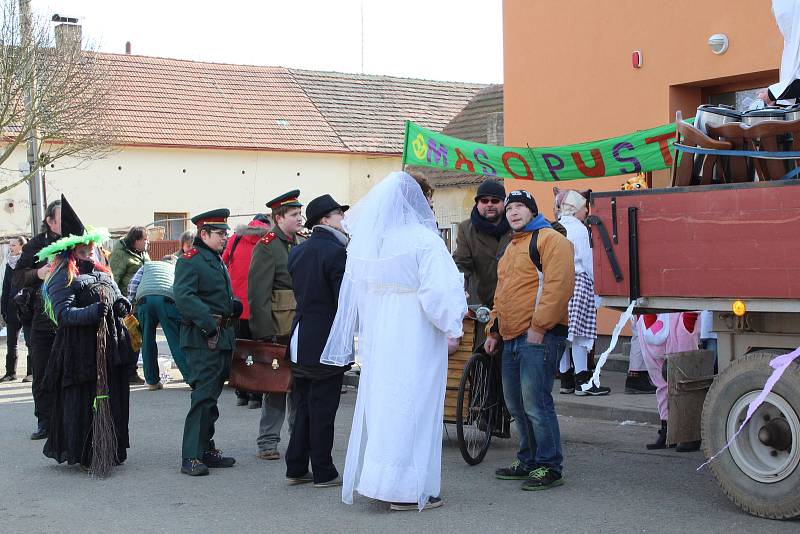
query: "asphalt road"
612, 484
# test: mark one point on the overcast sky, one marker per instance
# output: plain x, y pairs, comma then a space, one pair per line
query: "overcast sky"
458, 40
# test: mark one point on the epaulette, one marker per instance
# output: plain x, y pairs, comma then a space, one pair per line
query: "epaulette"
191, 253
268, 237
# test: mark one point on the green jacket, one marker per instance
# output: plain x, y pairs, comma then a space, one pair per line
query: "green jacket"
124, 263
202, 289
268, 271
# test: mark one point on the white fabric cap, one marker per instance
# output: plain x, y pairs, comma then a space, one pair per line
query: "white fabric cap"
572, 202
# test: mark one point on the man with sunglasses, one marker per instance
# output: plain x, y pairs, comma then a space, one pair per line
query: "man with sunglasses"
204, 297
478, 241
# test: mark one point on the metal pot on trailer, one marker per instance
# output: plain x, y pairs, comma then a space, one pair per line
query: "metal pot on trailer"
715, 115
756, 116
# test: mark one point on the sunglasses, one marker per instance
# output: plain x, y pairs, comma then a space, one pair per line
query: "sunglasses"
489, 200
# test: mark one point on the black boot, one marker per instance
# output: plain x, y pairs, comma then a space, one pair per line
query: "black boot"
638, 382
688, 446
568, 381
661, 442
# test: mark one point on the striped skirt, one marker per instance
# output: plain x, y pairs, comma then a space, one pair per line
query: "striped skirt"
582, 311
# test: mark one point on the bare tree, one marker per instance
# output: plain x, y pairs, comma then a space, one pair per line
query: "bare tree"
69, 106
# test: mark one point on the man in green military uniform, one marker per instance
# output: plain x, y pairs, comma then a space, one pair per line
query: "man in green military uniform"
272, 305
205, 300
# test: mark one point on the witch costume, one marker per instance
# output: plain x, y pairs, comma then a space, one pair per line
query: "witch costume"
91, 352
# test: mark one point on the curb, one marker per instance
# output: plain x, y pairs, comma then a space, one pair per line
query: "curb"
606, 413
572, 406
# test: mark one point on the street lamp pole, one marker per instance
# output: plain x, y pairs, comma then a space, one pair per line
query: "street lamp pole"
36, 172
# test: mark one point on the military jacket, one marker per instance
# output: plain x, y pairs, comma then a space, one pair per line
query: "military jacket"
269, 271
203, 289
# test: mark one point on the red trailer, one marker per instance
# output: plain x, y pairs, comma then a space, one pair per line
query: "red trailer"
733, 249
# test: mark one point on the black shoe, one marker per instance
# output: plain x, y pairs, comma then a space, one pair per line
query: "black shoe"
568, 381
542, 478
41, 433
595, 391
193, 467
513, 472
688, 446
661, 441
638, 383
135, 379
214, 458
241, 401
254, 404
433, 502
8, 378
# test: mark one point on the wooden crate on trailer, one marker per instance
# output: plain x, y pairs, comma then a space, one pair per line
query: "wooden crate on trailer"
455, 368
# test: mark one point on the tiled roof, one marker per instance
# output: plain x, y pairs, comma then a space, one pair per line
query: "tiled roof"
368, 112
170, 102
471, 125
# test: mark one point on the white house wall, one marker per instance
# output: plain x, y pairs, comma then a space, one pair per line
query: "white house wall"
128, 187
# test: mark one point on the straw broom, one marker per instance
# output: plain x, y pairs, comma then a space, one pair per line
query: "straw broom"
104, 435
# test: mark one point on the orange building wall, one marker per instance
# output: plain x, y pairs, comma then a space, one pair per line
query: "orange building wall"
569, 79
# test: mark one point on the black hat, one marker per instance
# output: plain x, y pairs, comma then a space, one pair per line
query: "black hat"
215, 218
70, 223
320, 207
491, 188
262, 218
523, 197
287, 199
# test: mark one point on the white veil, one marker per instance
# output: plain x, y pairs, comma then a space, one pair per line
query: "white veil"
395, 201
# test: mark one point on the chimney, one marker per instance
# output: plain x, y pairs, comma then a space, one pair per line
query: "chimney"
128, 48
68, 32
494, 128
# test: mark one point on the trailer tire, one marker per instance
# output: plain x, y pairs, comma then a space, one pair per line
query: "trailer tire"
759, 478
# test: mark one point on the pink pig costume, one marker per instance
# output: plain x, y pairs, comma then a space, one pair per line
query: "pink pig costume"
660, 335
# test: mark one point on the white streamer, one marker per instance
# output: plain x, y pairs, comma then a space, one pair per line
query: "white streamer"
626, 315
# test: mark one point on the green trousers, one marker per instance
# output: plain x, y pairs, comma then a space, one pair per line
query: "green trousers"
208, 370
151, 311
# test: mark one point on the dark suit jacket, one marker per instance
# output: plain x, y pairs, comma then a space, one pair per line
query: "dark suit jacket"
316, 267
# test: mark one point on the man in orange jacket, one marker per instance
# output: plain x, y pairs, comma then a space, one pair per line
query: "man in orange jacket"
530, 315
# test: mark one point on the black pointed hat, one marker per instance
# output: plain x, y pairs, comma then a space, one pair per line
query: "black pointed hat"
70, 222
73, 233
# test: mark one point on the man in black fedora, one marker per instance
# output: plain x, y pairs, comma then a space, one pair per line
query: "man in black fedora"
316, 267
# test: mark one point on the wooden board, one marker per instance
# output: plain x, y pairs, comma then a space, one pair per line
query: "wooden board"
724, 241
455, 369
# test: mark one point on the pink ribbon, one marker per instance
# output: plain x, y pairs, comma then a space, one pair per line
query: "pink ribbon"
779, 364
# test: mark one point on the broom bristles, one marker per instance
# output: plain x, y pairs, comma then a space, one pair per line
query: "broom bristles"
104, 435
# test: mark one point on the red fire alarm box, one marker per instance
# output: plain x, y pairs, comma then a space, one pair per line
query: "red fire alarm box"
636, 59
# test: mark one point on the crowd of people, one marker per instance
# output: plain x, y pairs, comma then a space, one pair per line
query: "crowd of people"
376, 280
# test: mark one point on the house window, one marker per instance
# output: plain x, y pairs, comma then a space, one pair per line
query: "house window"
736, 99
174, 223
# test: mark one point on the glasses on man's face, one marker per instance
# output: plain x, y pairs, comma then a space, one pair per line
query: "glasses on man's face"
489, 200
222, 233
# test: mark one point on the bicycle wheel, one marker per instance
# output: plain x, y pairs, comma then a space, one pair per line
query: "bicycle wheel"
475, 409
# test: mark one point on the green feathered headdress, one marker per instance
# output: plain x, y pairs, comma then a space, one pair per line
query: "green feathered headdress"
90, 235
74, 232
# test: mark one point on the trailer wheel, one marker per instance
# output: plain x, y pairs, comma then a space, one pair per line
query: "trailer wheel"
759, 472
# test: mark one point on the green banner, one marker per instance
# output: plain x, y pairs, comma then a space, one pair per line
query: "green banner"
642, 151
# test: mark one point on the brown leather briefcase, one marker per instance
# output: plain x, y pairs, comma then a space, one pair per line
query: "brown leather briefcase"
260, 367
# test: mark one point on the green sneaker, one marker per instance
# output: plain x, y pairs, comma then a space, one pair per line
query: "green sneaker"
542, 478
514, 472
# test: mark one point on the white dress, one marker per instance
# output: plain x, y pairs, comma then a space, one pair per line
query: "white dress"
413, 302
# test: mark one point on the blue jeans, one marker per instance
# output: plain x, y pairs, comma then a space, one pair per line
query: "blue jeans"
528, 374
